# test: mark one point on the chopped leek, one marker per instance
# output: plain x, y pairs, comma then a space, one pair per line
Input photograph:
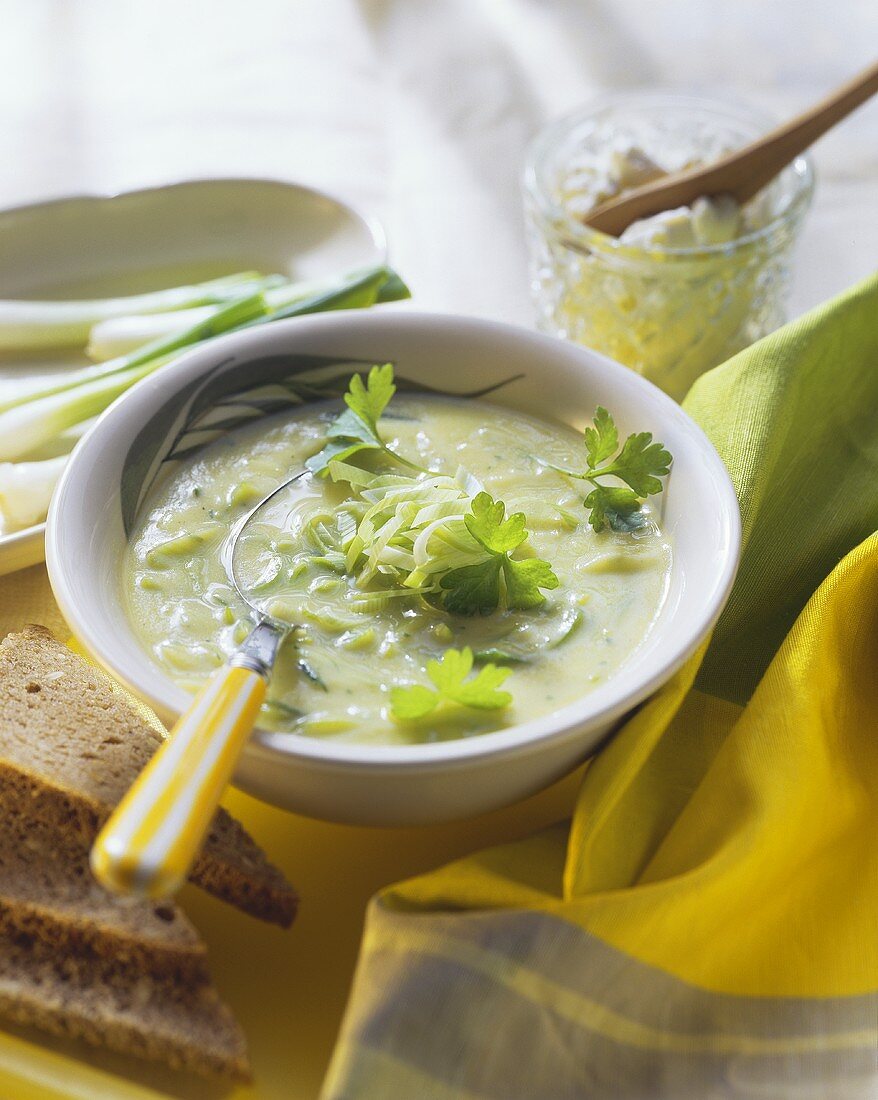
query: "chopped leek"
527, 642
430, 535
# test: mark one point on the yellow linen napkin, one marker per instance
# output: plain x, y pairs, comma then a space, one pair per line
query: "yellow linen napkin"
707, 925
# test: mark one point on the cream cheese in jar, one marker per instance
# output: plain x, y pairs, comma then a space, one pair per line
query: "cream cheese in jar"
676, 293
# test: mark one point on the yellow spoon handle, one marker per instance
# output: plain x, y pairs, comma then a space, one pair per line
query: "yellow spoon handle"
152, 838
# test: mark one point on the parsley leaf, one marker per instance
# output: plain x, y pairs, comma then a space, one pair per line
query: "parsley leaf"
476, 589
367, 402
472, 589
451, 686
524, 579
409, 703
640, 464
337, 449
420, 529
601, 440
356, 429
487, 525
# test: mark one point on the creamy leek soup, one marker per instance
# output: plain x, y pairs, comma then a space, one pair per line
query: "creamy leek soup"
418, 613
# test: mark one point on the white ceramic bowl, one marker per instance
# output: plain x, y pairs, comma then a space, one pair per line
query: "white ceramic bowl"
115, 463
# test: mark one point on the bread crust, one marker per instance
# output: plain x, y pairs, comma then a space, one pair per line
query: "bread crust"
188, 1028
47, 892
71, 745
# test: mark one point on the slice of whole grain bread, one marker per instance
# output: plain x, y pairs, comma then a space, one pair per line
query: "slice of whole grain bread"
70, 747
187, 1026
47, 892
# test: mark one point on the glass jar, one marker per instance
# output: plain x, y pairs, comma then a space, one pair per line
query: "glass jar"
668, 313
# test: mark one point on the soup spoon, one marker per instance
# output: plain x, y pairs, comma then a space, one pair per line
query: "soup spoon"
741, 173
150, 841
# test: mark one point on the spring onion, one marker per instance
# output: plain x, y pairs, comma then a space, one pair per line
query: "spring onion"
39, 419
25, 491
122, 335
26, 424
154, 355
32, 425
34, 325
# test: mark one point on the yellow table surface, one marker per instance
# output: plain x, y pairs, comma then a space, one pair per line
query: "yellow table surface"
287, 988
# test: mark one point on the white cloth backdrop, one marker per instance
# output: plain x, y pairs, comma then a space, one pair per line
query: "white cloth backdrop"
418, 110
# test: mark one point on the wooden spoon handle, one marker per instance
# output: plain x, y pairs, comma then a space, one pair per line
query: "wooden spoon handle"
742, 173
767, 156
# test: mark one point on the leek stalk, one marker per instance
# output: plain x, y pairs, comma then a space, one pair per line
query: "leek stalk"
122, 335
221, 320
34, 325
25, 491
39, 421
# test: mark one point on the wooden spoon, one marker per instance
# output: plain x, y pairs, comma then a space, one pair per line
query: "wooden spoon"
742, 173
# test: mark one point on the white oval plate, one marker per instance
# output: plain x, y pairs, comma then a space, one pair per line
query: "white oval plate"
101, 245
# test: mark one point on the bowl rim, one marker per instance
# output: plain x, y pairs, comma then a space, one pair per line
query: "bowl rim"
523, 738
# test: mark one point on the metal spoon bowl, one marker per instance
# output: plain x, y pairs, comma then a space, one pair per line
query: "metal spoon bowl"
258, 652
